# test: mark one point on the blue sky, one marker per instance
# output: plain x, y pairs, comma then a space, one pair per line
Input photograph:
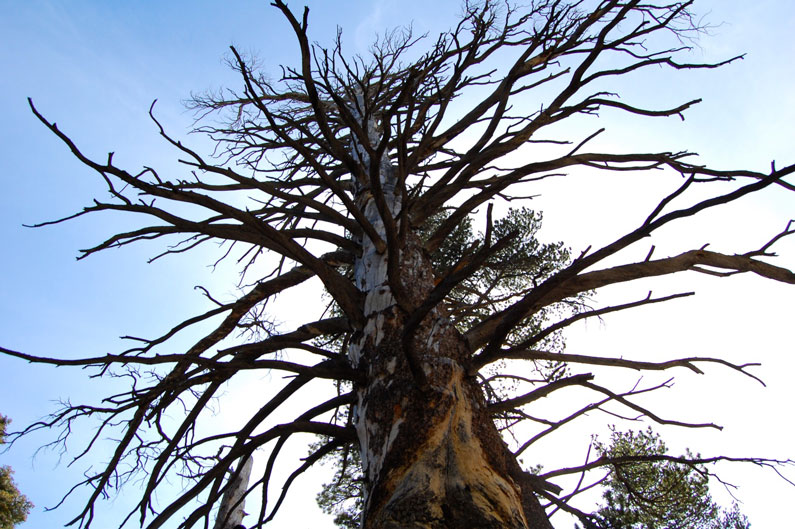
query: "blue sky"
95, 67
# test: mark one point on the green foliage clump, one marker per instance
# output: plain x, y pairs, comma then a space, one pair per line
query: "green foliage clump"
507, 275
643, 491
343, 497
14, 507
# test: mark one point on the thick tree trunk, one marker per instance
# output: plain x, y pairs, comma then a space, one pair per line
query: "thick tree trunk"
431, 455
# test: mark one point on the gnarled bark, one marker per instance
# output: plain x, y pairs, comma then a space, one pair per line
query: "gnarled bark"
431, 454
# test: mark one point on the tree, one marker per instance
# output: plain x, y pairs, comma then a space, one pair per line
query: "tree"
356, 171
14, 506
647, 488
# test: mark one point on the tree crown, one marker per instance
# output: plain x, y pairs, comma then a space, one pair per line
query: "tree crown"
373, 175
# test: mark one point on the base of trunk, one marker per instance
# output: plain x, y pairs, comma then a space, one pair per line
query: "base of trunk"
449, 485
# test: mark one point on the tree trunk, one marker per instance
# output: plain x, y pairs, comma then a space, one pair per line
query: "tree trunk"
230, 514
431, 455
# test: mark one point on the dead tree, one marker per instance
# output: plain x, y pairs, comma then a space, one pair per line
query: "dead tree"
360, 171
230, 512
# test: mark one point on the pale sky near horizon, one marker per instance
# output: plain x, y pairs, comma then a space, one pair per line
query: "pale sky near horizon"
95, 67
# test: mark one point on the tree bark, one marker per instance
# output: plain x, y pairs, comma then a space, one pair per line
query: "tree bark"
431, 455
231, 513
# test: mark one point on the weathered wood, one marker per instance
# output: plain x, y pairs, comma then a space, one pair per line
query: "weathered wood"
231, 513
431, 455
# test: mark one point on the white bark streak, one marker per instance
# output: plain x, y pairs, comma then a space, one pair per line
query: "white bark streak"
426, 460
231, 512
370, 277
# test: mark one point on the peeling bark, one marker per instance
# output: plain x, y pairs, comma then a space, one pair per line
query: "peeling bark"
431, 455
231, 513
